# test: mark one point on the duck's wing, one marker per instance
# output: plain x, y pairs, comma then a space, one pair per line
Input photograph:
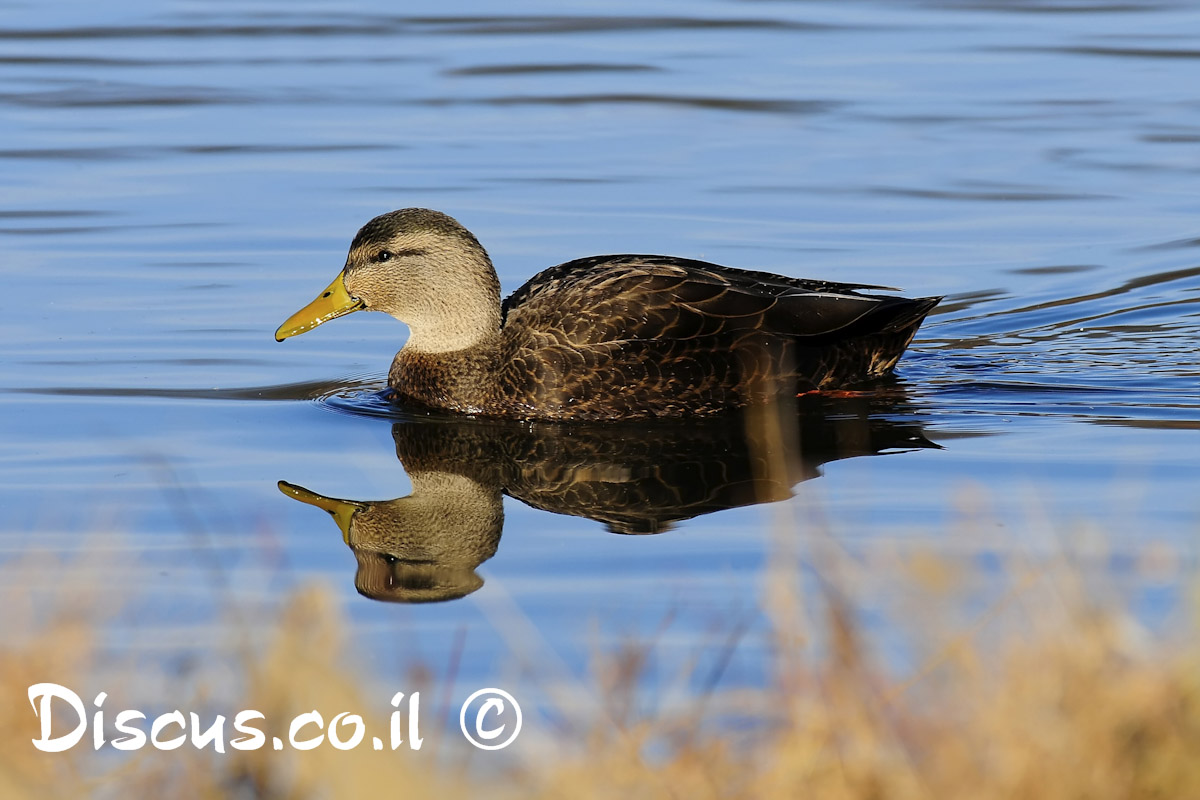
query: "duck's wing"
664, 377
629, 297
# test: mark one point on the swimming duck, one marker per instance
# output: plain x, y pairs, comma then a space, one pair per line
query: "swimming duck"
606, 337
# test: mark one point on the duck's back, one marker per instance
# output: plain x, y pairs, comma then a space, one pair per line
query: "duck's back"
640, 335
621, 297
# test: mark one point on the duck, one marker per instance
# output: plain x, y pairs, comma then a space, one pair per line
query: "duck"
609, 337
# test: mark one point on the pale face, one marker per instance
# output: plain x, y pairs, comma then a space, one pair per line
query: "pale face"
429, 272
422, 268
400, 275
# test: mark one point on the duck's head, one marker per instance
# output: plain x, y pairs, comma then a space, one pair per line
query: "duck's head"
424, 269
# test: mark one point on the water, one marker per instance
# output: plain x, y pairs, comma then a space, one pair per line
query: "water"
178, 178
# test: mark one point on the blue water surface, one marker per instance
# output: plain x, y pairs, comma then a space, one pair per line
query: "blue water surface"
176, 178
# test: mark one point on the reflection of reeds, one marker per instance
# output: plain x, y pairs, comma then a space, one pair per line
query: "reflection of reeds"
1081, 706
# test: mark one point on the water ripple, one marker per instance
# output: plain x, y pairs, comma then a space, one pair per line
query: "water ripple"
368, 25
1124, 354
772, 106
322, 391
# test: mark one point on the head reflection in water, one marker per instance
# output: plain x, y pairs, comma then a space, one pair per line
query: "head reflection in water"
421, 548
635, 479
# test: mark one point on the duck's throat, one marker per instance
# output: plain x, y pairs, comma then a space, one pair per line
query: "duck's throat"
463, 381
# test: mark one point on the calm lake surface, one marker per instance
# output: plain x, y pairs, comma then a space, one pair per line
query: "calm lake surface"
177, 178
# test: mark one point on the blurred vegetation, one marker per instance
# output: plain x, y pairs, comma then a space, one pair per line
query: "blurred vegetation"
1074, 700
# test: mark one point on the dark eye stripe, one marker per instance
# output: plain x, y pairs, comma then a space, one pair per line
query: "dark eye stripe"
387, 255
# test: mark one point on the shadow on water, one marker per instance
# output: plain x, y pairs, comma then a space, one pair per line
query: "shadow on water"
633, 478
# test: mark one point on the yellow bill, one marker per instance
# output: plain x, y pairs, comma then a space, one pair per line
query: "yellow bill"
342, 511
332, 303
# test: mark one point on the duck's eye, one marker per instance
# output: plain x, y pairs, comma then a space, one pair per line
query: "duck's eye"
384, 255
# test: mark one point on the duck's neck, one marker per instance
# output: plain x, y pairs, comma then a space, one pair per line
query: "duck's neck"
458, 311
462, 381
463, 329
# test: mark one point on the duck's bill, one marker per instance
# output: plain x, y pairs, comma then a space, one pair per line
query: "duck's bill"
342, 511
332, 303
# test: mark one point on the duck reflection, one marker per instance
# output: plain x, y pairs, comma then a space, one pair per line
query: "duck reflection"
635, 479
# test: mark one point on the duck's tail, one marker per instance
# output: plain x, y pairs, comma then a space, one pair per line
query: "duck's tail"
869, 348
902, 314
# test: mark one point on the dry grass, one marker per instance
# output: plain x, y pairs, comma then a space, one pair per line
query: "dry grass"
1078, 703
